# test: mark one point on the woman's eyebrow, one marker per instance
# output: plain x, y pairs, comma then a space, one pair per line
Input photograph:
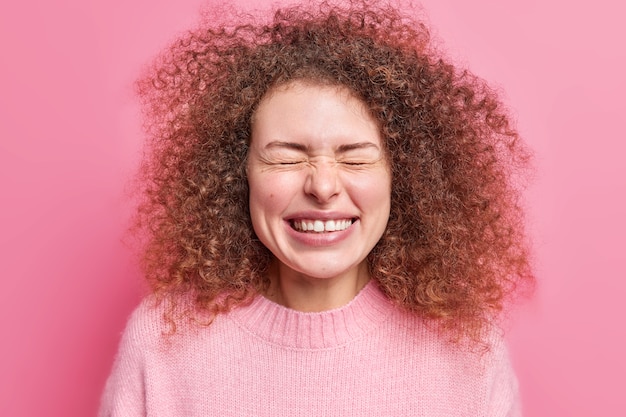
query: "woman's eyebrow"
354, 146
288, 145
304, 148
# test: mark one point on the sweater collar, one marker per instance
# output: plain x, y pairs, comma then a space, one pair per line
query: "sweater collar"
298, 330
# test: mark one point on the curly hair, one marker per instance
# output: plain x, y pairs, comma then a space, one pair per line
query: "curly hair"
454, 250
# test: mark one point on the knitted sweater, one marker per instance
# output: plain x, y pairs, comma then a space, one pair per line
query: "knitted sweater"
366, 358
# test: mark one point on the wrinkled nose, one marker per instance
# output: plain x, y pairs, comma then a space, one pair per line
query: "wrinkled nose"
322, 181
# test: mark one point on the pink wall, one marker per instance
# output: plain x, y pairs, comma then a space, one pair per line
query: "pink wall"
69, 138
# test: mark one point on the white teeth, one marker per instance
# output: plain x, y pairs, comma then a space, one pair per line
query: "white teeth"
319, 226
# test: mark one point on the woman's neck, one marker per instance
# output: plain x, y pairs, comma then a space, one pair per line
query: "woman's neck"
308, 294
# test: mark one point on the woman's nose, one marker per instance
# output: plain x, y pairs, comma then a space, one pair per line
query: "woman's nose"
322, 181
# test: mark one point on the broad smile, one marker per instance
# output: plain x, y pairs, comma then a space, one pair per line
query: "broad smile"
321, 226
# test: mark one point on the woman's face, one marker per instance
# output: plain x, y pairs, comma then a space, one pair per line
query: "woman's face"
319, 181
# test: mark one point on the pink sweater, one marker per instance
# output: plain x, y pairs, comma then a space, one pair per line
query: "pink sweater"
365, 359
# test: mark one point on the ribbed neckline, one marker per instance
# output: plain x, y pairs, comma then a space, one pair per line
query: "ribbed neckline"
289, 328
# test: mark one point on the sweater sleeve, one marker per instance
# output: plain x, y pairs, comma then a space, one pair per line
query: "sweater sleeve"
504, 398
124, 393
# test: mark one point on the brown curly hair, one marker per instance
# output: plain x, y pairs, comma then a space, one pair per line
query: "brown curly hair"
454, 248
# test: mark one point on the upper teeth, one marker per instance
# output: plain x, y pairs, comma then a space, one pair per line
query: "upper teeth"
321, 225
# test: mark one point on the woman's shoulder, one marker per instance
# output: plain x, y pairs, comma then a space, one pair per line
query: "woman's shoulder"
153, 320
160, 324
430, 335
144, 325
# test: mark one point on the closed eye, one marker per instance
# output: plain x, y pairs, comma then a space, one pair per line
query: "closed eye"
353, 162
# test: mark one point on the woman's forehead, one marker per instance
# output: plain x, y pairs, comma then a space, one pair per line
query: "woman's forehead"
304, 109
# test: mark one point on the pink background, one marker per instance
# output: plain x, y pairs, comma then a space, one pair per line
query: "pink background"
70, 138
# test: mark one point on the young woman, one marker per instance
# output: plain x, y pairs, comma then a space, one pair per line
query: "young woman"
331, 225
